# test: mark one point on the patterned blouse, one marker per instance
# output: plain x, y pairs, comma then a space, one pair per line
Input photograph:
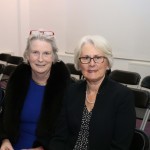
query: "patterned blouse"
82, 141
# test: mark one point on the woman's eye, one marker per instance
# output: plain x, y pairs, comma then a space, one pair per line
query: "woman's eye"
34, 52
98, 57
86, 58
47, 53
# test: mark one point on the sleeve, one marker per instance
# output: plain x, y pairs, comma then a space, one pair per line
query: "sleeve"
125, 122
61, 134
56, 140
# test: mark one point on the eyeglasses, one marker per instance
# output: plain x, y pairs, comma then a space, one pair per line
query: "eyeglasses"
39, 32
96, 59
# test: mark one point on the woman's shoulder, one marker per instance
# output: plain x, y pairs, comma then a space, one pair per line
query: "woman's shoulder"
77, 85
22, 68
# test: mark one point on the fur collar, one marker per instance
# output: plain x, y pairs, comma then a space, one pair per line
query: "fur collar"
17, 90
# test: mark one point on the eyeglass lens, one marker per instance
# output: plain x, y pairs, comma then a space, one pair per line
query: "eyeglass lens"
97, 59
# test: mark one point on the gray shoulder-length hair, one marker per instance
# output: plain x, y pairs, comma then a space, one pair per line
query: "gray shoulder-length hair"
99, 42
48, 39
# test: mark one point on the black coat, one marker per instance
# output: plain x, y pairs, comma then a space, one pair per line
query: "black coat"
112, 123
16, 92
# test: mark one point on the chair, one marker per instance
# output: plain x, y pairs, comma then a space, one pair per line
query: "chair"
142, 106
140, 141
8, 70
4, 57
125, 77
2, 66
15, 60
73, 71
145, 83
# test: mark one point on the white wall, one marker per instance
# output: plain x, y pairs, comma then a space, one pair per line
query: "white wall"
9, 34
18, 17
124, 23
50, 15
14, 18
24, 24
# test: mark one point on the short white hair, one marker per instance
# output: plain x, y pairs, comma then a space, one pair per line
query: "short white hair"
99, 42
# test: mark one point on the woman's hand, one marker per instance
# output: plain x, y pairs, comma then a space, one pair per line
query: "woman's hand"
6, 145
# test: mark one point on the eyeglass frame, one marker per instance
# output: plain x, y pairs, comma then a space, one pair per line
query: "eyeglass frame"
41, 31
90, 58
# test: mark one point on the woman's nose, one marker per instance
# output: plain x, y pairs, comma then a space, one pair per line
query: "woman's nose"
92, 62
40, 58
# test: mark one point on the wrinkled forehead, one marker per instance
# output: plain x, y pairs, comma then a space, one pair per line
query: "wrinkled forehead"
90, 49
40, 45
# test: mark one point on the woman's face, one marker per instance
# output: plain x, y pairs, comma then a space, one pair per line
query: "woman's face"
93, 71
40, 57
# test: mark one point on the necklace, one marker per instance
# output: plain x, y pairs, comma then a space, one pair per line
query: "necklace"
90, 102
42, 84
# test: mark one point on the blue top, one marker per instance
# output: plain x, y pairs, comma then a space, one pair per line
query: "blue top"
30, 115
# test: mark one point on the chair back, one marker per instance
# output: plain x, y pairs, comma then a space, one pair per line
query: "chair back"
15, 60
125, 77
2, 66
73, 71
142, 98
142, 107
8, 70
140, 140
4, 57
146, 82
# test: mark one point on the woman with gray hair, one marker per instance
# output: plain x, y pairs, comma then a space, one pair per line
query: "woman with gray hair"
98, 113
34, 95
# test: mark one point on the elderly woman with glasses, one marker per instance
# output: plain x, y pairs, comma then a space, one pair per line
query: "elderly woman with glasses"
34, 94
98, 113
